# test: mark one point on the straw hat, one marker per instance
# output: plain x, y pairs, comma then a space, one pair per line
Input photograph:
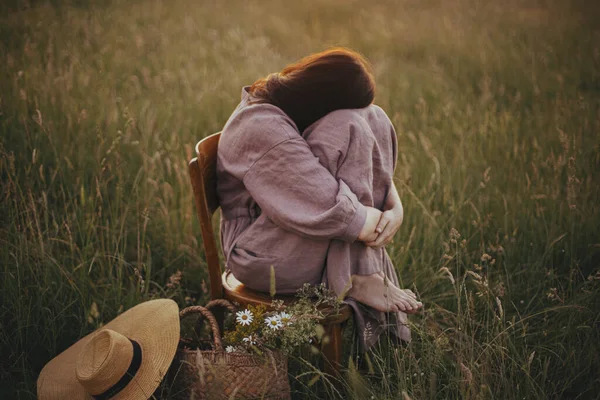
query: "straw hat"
125, 359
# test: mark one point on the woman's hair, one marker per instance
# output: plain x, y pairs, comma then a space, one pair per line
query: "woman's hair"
318, 84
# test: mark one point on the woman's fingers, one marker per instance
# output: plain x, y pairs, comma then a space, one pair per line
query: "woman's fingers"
381, 240
368, 232
370, 238
388, 225
384, 221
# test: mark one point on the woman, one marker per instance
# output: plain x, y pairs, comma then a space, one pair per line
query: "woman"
283, 207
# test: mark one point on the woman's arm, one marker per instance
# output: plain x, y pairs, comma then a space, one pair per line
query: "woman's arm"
300, 195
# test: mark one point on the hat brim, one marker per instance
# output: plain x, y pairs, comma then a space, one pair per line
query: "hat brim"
153, 324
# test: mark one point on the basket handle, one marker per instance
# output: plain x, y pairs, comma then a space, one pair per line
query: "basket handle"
214, 326
205, 312
223, 303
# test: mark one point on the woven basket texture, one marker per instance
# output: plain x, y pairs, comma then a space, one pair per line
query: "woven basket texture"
219, 375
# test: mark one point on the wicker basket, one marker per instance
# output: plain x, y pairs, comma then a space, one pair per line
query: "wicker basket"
216, 374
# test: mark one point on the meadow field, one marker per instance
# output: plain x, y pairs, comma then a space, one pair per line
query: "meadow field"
497, 110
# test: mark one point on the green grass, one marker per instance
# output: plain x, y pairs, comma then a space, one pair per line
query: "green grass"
497, 109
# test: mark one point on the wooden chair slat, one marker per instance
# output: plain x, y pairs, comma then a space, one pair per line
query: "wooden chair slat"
206, 151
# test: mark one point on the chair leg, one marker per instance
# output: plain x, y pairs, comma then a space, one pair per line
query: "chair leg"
332, 350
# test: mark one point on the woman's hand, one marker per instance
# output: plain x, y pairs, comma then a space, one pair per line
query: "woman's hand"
388, 225
368, 232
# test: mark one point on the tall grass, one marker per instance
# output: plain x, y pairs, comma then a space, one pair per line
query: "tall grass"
497, 108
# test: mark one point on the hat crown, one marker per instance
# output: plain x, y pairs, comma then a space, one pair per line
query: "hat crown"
104, 361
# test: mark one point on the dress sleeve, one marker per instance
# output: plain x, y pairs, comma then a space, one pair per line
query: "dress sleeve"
300, 195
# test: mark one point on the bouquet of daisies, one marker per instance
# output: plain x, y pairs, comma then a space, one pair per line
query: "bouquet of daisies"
283, 327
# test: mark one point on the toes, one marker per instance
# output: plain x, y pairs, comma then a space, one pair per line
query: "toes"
408, 299
412, 305
403, 305
415, 304
410, 309
416, 307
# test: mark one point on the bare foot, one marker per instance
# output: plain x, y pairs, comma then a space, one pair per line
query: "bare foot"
410, 292
383, 295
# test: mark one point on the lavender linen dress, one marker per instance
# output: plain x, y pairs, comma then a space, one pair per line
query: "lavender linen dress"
281, 206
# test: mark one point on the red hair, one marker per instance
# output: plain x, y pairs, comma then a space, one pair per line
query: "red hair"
318, 84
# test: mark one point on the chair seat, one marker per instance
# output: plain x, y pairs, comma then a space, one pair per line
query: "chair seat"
235, 290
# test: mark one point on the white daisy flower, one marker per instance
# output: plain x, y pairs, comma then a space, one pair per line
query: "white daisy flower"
230, 349
250, 339
244, 317
274, 322
286, 318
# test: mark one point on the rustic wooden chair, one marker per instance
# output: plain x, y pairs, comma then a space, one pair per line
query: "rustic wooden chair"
224, 284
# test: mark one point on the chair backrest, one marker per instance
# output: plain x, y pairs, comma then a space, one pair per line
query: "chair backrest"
203, 174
